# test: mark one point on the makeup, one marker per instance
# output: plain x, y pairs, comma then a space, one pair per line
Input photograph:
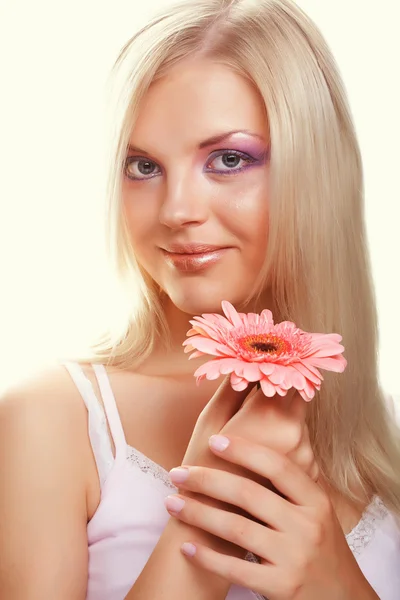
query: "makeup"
194, 261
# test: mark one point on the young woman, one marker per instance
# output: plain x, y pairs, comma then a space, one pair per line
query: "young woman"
235, 175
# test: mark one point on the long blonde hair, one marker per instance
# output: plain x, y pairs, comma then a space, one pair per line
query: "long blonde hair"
317, 263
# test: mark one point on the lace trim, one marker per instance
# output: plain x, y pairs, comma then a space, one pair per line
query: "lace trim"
363, 533
358, 539
253, 558
145, 464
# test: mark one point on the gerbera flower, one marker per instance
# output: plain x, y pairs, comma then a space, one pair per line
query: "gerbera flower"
250, 347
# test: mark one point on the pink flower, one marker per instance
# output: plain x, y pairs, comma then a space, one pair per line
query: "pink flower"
251, 348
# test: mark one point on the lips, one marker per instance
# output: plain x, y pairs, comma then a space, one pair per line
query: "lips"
195, 248
193, 257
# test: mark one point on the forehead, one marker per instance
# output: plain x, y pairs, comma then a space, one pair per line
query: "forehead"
197, 100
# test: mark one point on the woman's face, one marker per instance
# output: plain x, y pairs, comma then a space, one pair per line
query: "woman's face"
195, 186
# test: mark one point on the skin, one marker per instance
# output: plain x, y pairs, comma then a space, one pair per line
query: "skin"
43, 542
187, 199
176, 197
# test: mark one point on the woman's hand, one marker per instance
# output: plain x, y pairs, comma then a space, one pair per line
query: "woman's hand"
279, 423
303, 551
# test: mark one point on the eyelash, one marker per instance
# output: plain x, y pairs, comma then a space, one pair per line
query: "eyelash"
217, 154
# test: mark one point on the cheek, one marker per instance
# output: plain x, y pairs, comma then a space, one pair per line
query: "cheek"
245, 211
141, 214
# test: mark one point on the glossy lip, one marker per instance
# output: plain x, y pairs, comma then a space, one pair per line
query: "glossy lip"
193, 257
194, 248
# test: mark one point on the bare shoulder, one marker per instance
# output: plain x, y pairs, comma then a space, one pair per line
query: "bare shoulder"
46, 395
45, 456
45, 414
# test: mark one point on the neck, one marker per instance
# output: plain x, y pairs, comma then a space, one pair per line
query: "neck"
174, 362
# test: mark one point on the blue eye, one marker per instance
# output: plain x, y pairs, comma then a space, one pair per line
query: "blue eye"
140, 168
229, 162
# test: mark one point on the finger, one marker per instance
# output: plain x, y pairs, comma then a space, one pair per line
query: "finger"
298, 408
263, 579
278, 426
253, 498
224, 404
226, 525
284, 474
303, 455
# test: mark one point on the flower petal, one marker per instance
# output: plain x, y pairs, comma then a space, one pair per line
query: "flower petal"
266, 317
196, 354
237, 383
267, 388
217, 320
251, 371
266, 368
278, 374
231, 314
308, 371
335, 363
208, 346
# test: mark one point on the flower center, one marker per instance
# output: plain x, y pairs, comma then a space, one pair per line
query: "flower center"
263, 347
265, 343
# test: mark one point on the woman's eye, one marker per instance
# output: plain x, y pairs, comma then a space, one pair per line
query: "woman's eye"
141, 168
229, 161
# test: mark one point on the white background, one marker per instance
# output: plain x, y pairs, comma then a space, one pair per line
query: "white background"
54, 61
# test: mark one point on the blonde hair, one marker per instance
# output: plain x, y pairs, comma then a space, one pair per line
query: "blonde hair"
317, 264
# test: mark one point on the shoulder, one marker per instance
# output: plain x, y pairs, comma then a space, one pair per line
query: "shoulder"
45, 457
49, 392
44, 414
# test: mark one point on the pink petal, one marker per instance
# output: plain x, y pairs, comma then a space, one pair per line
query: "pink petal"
218, 320
267, 317
309, 391
267, 388
210, 369
244, 319
250, 371
304, 396
280, 391
237, 383
308, 371
297, 380
207, 331
196, 354
191, 332
266, 368
324, 345
336, 364
223, 365
334, 337
253, 319
231, 314
278, 374
208, 346
228, 365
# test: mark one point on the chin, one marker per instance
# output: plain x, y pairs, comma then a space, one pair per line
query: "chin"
201, 300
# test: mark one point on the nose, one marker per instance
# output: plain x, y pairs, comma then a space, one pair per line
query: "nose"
185, 202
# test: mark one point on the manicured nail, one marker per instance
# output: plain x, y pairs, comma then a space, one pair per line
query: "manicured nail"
188, 549
218, 442
179, 475
174, 504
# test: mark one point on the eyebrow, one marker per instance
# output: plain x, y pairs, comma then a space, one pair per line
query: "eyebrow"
216, 139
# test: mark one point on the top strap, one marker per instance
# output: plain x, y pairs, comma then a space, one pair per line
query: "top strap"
97, 423
111, 409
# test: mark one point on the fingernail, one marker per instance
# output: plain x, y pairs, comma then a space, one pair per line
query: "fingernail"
179, 475
218, 442
174, 504
188, 549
